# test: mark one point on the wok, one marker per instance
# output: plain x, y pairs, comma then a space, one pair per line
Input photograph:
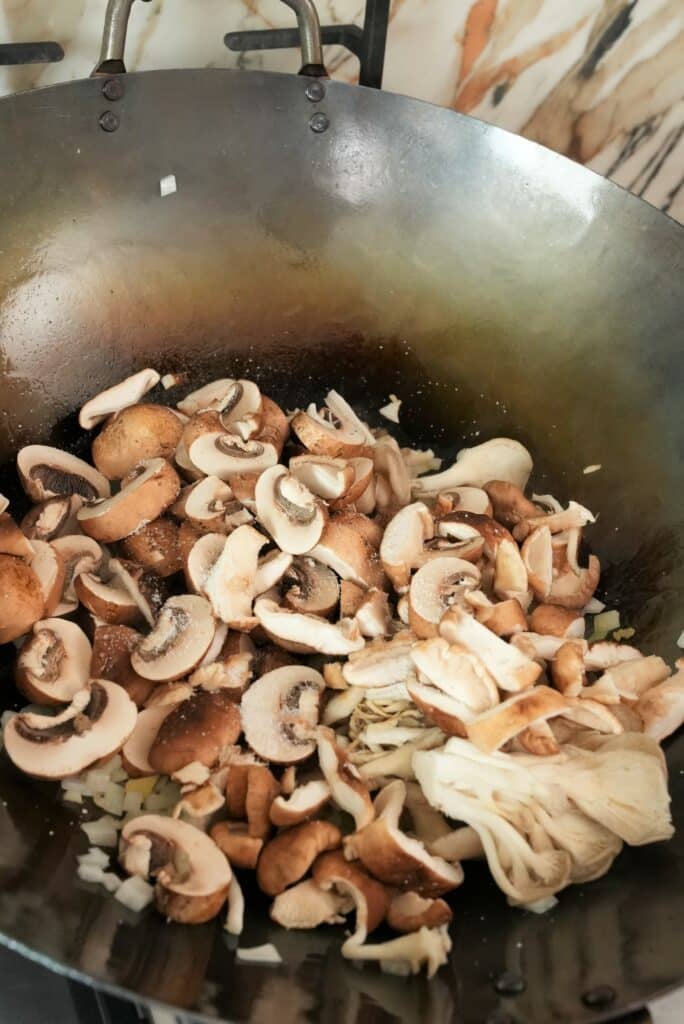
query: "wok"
383, 246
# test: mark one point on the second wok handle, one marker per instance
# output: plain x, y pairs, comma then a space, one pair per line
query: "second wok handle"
111, 60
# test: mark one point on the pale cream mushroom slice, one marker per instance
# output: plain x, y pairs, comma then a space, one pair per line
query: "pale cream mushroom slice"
50, 568
463, 528
180, 639
52, 518
207, 504
192, 875
119, 396
49, 472
94, 726
389, 463
628, 680
21, 598
232, 397
302, 804
12, 540
499, 459
144, 589
493, 728
408, 912
224, 455
394, 857
456, 671
144, 496
381, 663
79, 554
280, 713
197, 729
590, 714
374, 615
364, 487
201, 558
306, 905
469, 499
230, 583
574, 517
333, 873
349, 791
510, 572
335, 431
54, 662
289, 511
661, 707
346, 547
607, 654
573, 590
537, 555
538, 738
306, 634
137, 434
312, 588
542, 647
271, 569
448, 713
403, 541
288, 857
330, 479
110, 602
510, 668
4, 503
440, 584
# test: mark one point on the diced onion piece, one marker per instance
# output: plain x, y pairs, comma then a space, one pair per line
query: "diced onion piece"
135, 893
95, 856
111, 882
111, 799
592, 469
90, 873
266, 954
391, 410
102, 831
167, 185
144, 785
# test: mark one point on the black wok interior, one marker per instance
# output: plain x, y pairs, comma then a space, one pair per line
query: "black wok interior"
498, 289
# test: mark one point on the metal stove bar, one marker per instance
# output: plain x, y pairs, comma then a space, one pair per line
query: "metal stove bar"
30, 53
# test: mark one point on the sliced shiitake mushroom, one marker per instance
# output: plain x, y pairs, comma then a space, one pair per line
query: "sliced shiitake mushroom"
180, 639
198, 729
309, 587
94, 726
280, 713
436, 587
50, 568
144, 496
55, 517
289, 511
335, 430
54, 662
111, 659
48, 472
21, 598
120, 396
135, 435
156, 547
79, 554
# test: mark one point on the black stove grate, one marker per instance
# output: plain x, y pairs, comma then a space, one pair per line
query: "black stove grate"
12, 54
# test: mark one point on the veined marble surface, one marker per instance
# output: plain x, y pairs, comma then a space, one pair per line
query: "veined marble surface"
599, 80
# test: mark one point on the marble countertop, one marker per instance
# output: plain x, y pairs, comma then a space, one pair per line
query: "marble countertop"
601, 81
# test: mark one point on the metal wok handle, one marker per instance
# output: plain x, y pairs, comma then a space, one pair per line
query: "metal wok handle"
111, 60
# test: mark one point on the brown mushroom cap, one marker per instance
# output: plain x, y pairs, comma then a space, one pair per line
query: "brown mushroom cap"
156, 547
136, 750
96, 724
141, 499
304, 803
280, 713
262, 789
54, 517
197, 729
136, 434
309, 587
275, 426
50, 568
505, 618
345, 548
12, 540
336, 432
408, 912
288, 857
241, 849
509, 503
111, 602
48, 472
111, 659
54, 663
192, 874
21, 598
184, 631
435, 588
289, 511
332, 871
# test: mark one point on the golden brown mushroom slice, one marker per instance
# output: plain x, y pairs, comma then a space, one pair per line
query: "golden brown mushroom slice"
374, 615
287, 858
192, 875
262, 790
197, 729
306, 905
509, 667
567, 669
220, 454
335, 431
49, 472
119, 396
12, 540
499, 459
233, 839
574, 590
348, 790
144, 496
293, 516
332, 872
490, 730
510, 506
137, 434
156, 547
347, 547
505, 618
403, 541
22, 602
408, 912
50, 568
394, 857
436, 587
302, 804
95, 725
280, 713
309, 587
54, 662
184, 631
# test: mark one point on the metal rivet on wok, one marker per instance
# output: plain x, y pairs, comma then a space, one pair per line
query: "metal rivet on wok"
509, 984
109, 121
599, 998
113, 89
315, 91
319, 122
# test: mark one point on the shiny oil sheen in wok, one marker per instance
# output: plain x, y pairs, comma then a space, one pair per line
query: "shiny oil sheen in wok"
498, 289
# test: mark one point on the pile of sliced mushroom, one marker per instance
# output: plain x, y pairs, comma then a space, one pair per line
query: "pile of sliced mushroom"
284, 645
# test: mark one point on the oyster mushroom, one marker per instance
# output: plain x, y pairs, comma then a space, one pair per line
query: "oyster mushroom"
180, 639
498, 459
509, 667
287, 858
155, 546
79, 554
408, 912
553, 620
120, 396
305, 905
335, 431
241, 849
435, 588
490, 730
395, 858
330, 479
402, 543
302, 633
94, 726
230, 583
137, 434
661, 707
348, 790
573, 590
537, 556
311, 588
289, 511
54, 662
407, 954
304, 803
333, 873
197, 729
509, 503
110, 602
345, 548
49, 472
21, 598
280, 714
224, 455
143, 497
52, 518
111, 659
50, 568
12, 540
192, 875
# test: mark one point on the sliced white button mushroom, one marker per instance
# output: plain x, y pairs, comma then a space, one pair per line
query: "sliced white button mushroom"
537, 554
192, 875
382, 663
302, 633
184, 630
436, 587
230, 584
335, 431
50, 568
118, 397
327, 478
79, 554
390, 466
234, 398
22, 601
137, 434
201, 559
96, 724
510, 668
498, 459
280, 713
136, 749
54, 663
311, 588
141, 499
270, 570
407, 954
110, 602
55, 517
222, 455
574, 517
402, 543
289, 511
49, 472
